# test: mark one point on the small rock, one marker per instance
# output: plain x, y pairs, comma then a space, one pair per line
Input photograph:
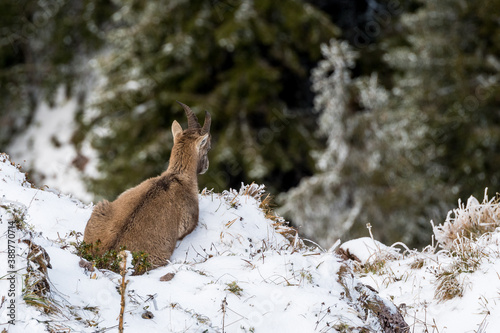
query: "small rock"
167, 277
86, 265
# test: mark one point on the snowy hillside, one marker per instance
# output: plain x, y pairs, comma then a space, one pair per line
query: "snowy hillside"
241, 270
453, 286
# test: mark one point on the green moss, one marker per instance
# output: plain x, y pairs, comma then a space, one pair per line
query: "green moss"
110, 259
234, 288
140, 262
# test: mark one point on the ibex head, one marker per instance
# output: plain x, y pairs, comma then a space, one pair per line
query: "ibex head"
196, 136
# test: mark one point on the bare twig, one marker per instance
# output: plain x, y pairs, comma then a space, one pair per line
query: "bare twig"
123, 287
223, 308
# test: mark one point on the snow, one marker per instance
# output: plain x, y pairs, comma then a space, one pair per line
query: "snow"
367, 249
414, 287
234, 273
46, 148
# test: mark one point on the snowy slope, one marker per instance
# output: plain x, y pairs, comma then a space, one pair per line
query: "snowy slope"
450, 290
234, 273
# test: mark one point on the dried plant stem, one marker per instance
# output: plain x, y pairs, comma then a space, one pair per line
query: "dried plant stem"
369, 227
123, 287
223, 308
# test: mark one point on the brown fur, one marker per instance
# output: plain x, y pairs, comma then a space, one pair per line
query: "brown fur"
152, 216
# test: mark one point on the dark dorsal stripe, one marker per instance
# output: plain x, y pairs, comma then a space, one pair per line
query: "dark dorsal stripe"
161, 185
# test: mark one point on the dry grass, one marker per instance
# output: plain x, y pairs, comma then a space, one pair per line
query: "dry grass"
469, 221
467, 256
448, 285
266, 204
465, 237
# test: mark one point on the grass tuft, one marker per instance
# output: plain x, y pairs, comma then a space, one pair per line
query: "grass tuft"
234, 288
448, 285
469, 221
465, 237
111, 259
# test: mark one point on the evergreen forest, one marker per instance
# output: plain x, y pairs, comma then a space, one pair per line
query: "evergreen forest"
350, 112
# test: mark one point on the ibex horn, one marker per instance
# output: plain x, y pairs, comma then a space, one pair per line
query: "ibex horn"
206, 124
192, 120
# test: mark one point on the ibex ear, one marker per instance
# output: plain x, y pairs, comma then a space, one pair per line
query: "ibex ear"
176, 129
203, 140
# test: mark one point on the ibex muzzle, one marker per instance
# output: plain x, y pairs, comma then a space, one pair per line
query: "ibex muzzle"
154, 215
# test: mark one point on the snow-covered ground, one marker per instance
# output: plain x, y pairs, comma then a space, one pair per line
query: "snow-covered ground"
452, 288
404, 281
236, 272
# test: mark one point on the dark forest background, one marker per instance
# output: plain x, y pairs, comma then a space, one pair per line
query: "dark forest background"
350, 112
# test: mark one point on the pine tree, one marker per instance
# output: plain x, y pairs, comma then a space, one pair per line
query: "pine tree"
42, 44
454, 58
400, 156
246, 62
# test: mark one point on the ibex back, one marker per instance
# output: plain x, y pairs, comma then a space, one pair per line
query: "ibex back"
152, 216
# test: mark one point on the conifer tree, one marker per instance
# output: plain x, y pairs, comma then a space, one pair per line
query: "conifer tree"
247, 62
402, 155
42, 46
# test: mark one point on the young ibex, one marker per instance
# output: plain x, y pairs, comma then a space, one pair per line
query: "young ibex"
152, 216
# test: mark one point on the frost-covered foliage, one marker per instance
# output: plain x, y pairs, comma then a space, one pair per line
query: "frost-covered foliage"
314, 206
451, 286
469, 221
246, 62
331, 80
40, 50
366, 173
469, 237
241, 270
401, 153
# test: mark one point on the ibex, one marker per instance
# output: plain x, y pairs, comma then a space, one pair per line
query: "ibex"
152, 216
